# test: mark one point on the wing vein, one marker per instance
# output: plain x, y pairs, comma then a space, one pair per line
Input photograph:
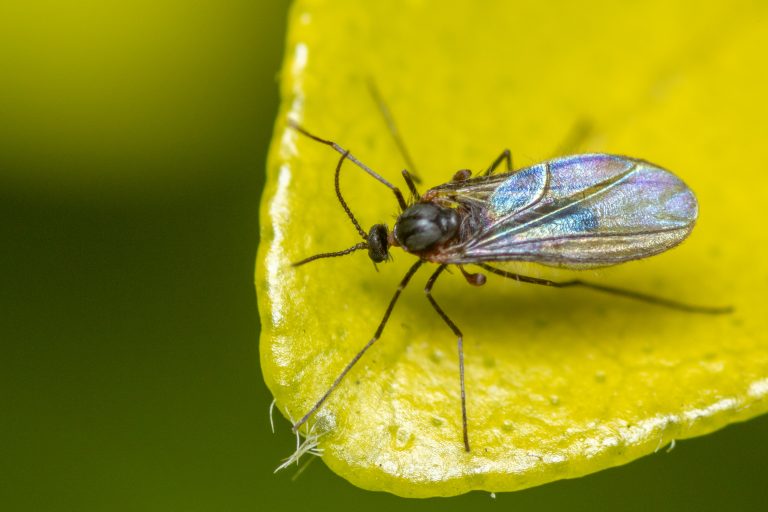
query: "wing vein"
598, 189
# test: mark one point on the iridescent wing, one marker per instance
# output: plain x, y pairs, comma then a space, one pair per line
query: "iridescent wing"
578, 211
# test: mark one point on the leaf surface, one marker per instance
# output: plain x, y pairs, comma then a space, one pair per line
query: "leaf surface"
560, 383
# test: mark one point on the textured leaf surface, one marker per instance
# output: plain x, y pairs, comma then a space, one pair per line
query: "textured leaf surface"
560, 383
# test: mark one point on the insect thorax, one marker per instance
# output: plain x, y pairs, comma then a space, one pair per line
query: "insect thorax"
422, 226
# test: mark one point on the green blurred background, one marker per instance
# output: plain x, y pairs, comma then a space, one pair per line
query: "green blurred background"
133, 139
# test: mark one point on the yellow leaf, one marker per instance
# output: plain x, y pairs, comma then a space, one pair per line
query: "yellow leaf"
560, 383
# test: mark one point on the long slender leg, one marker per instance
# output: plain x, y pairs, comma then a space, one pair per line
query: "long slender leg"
398, 195
578, 134
376, 336
411, 185
629, 294
505, 156
390, 120
400, 199
460, 336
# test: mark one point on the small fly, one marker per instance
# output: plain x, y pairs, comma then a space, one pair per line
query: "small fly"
577, 212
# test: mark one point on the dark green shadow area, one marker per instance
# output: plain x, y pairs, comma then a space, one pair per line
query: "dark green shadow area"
129, 372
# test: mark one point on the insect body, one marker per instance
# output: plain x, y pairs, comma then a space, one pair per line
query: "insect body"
581, 211
578, 211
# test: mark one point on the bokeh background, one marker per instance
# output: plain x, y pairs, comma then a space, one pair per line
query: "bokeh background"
133, 139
